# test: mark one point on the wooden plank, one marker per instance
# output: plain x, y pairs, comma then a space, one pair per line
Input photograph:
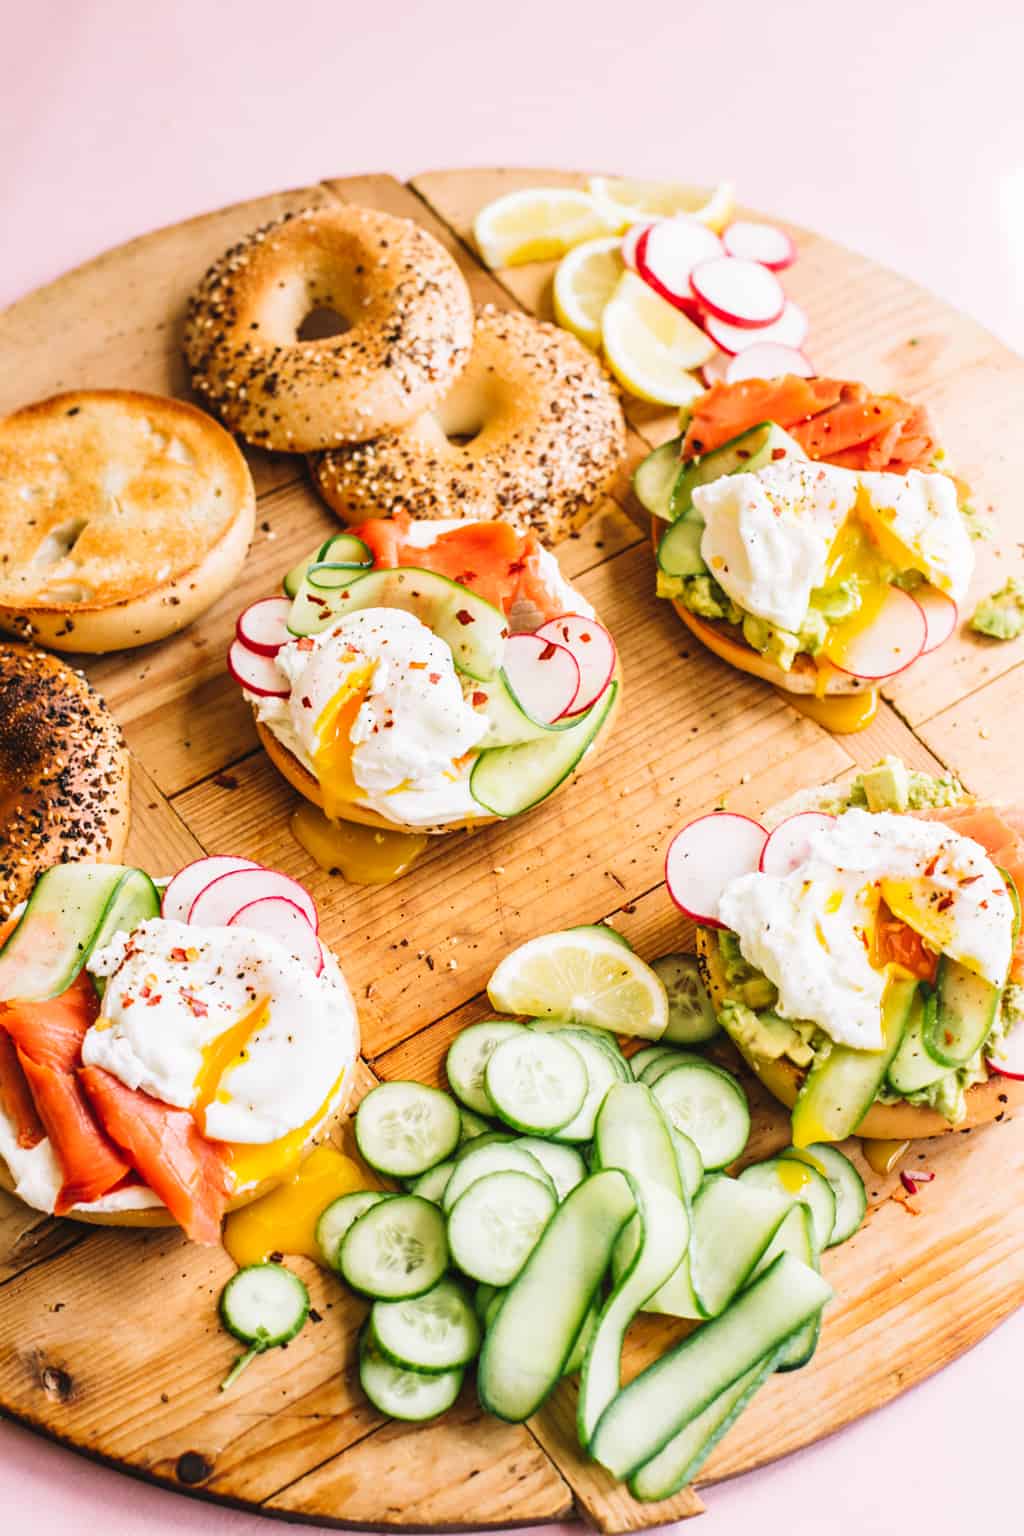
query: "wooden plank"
980, 735
158, 839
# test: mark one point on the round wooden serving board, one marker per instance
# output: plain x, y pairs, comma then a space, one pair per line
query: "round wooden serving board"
109, 1340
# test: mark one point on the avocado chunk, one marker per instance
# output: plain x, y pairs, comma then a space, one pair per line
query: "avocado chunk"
1001, 616
887, 785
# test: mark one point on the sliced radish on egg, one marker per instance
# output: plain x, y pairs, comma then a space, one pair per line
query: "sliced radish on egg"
940, 616
283, 920
594, 650
742, 292
1009, 1060
543, 674
894, 638
258, 674
182, 891
705, 856
789, 330
668, 251
789, 845
768, 360
630, 241
762, 243
262, 627
218, 902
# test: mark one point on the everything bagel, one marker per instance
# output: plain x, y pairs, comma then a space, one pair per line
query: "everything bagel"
405, 303
542, 438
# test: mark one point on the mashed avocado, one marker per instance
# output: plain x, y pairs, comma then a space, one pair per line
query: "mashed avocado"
1001, 616
891, 786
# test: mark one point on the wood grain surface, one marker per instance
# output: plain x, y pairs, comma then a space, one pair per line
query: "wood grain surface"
109, 1340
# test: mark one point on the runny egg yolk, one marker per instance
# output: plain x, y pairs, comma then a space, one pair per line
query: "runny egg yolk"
226, 1050
252, 1162
855, 555
332, 759
914, 903
285, 1220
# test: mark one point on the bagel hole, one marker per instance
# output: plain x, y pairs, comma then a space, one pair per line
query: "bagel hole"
461, 416
59, 542
322, 322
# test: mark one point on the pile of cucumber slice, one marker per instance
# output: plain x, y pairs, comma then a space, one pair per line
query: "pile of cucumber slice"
557, 1191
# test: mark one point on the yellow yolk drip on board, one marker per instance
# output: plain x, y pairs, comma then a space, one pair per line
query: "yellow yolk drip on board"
883, 1156
285, 1220
332, 761
841, 713
364, 855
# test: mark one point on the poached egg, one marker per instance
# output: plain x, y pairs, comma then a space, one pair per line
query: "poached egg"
814, 932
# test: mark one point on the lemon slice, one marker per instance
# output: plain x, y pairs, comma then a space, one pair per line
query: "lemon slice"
584, 975
649, 344
584, 282
535, 225
623, 202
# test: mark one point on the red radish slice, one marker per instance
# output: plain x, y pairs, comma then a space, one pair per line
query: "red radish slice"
629, 244
594, 650
182, 891
768, 361
789, 330
1010, 1060
759, 242
940, 616
217, 903
668, 251
263, 627
894, 638
789, 845
282, 920
544, 676
742, 292
716, 369
259, 674
705, 856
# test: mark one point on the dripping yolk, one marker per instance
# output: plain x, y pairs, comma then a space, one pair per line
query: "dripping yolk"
332, 759
229, 1049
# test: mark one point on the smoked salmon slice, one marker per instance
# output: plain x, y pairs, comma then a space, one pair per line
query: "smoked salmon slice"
16, 1100
166, 1148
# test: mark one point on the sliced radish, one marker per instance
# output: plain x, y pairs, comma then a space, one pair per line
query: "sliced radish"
894, 638
216, 904
768, 362
629, 244
259, 674
789, 845
789, 330
182, 891
762, 243
667, 253
544, 676
715, 370
281, 919
1010, 1060
940, 616
742, 292
594, 650
263, 626
705, 856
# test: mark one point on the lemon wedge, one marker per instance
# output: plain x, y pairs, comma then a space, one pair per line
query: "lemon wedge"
535, 225
584, 975
623, 202
584, 282
650, 345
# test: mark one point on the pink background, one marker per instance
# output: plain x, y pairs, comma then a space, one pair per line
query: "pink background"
900, 137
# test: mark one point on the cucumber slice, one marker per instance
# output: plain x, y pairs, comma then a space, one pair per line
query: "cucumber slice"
468, 1056
481, 1139
654, 478
796, 1236
709, 1106
336, 1219
497, 1297
563, 1165
841, 1086
674, 1057
794, 1179
292, 583
482, 1298
847, 1186
733, 1223
402, 1128
495, 1225
509, 723
965, 1010
338, 561
913, 1067
72, 910
579, 1353
432, 1184
437, 1331
474, 629
689, 1162
494, 1157
649, 1054
534, 1332
602, 1074
395, 1249
669, 1394
265, 1306
536, 1082
509, 780
599, 1037
679, 549
691, 1014
472, 1126
411, 1396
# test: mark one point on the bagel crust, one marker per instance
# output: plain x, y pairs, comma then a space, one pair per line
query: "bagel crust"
402, 296
545, 431
63, 772
123, 516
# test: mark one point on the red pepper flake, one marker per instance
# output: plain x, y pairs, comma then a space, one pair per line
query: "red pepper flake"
306, 643
177, 953
969, 879
479, 699
946, 902
466, 578
778, 453
127, 1001
196, 1006
549, 650
417, 666
157, 997
516, 566
307, 702
585, 639
465, 617
434, 677
931, 866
